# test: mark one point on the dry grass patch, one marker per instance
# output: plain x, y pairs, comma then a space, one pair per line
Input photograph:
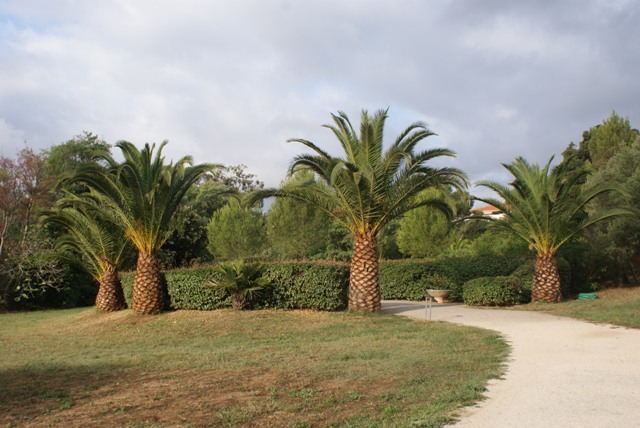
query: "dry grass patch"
228, 368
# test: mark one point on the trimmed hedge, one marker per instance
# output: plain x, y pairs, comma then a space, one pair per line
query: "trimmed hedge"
492, 291
303, 285
308, 285
407, 279
324, 285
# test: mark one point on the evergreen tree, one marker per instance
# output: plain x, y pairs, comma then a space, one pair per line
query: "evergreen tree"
295, 229
607, 139
235, 232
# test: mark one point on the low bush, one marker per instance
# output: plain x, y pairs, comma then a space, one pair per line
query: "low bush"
38, 278
524, 276
408, 279
492, 291
299, 285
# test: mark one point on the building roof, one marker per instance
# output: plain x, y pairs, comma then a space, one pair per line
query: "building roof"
487, 209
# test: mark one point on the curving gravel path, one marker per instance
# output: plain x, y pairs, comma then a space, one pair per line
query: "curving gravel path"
561, 372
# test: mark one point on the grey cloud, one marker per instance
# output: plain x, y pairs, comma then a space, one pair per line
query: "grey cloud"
231, 81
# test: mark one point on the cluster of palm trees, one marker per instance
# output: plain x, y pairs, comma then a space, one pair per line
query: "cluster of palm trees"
365, 188
368, 187
130, 202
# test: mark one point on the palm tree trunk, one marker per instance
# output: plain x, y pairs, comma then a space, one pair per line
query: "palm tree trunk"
364, 288
546, 280
238, 302
110, 295
148, 295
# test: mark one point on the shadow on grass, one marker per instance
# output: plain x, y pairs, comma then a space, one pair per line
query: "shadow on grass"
398, 307
27, 393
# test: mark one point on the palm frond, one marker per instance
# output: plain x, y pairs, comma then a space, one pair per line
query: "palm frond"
143, 192
367, 187
541, 205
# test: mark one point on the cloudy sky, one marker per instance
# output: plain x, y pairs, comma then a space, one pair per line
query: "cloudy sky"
230, 81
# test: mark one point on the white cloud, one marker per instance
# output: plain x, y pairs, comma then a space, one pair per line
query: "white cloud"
230, 82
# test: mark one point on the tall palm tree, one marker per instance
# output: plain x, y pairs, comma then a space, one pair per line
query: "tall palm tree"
99, 243
142, 194
367, 188
546, 209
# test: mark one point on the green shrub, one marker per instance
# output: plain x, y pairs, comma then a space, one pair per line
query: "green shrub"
438, 282
403, 279
564, 270
492, 291
36, 277
308, 285
524, 276
187, 289
407, 279
301, 285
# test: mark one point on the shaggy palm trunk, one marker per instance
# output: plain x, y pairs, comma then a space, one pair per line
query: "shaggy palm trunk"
364, 289
110, 295
148, 295
546, 280
238, 301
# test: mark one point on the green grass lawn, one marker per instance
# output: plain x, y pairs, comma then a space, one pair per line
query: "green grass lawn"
227, 368
620, 306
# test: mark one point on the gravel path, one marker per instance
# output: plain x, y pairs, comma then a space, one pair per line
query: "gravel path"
561, 372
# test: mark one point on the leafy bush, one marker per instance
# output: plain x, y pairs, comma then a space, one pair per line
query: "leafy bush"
308, 285
187, 289
589, 263
303, 285
403, 279
500, 242
492, 291
438, 282
407, 279
564, 270
36, 277
524, 276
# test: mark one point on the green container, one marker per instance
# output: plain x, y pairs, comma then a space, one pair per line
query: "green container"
587, 296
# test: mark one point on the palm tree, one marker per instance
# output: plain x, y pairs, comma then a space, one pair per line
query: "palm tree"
243, 281
99, 243
367, 188
543, 207
142, 194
